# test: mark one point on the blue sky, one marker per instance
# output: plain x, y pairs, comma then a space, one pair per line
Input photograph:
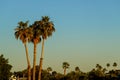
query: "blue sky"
87, 32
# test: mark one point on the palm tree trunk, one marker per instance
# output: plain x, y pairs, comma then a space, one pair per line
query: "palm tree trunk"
28, 62
41, 61
34, 61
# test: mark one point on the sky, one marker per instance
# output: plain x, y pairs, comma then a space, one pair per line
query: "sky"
87, 32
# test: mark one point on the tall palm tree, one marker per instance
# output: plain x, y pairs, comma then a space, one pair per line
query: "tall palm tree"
65, 66
23, 32
35, 40
47, 28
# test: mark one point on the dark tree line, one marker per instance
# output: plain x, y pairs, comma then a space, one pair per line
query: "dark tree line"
97, 73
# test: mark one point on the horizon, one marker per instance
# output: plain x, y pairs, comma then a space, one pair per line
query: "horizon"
87, 33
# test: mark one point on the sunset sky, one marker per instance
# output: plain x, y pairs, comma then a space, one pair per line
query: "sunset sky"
87, 32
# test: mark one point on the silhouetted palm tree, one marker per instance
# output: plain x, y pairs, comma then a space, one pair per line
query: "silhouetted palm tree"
65, 66
49, 69
97, 66
108, 65
104, 71
23, 32
77, 69
47, 28
114, 65
35, 40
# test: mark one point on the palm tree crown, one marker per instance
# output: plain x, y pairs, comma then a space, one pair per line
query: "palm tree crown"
47, 27
108, 65
36, 33
49, 69
77, 69
65, 65
23, 32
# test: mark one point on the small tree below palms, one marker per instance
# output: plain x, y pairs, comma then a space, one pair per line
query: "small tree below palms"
5, 68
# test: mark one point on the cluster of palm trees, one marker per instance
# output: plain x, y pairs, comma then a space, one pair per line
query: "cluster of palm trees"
35, 33
114, 65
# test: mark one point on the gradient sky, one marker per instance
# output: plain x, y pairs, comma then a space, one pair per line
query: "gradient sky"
87, 32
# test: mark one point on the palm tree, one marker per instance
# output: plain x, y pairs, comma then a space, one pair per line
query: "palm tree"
108, 65
99, 67
77, 69
49, 69
104, 70
65, 66
23, 32
35, 40
47, 28
114, 65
